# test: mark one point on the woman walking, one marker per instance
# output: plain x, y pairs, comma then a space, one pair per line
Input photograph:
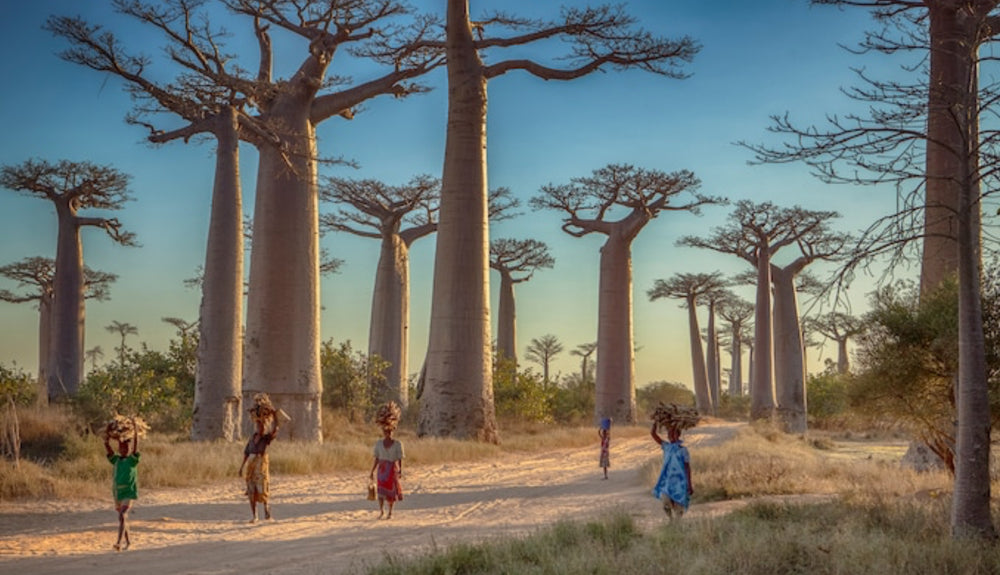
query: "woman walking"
388, 463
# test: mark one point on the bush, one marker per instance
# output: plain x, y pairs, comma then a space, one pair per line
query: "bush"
521, 396
350, 380
650, 395
573, 401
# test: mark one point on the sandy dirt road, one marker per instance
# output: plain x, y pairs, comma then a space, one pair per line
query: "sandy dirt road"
323, 523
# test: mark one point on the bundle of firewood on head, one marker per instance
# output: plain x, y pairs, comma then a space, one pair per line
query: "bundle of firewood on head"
124, 429
673, 416
262, 411
387, 416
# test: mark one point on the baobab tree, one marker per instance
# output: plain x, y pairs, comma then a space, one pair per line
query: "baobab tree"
123, 329
755, 233
737, 313
635, 196
458, 378
282, 342
71, 187
516, 261
948, 192
542, 350
214, 98
691, 288
397, 216
37, 276
713, 359
839, 327
584, 351
94, 355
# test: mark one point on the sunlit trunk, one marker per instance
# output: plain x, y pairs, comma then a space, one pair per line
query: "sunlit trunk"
281, 348
702, 394
843, 361
388, 337
615, 393
762, 389
712, 361
789, 368
736, 365
506, 320
457, 391
217, 390
66, 366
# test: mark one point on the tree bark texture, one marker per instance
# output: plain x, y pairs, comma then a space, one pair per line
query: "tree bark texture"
457, 390
281, 349
66, 364
712, 361
507, 320
388, 337
736, 365
45, 304
789, 368
762, 390
217, 413
843, 360
615, 382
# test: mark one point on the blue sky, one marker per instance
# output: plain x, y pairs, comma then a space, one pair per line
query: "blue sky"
757, 59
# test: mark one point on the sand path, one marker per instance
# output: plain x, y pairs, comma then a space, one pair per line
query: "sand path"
323, 523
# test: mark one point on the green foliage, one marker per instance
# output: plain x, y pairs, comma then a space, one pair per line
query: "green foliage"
522, 396
650, 395
573, 400
827, 395
18, 384
350, 379
734, 407
155, 385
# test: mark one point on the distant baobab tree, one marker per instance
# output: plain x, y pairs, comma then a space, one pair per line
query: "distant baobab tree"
542, 350
839, 327
516, 261
397, 216
755, 232
584, 351
94, 355
123, 329
635, 196
692, 288
72, 187
458, 391
737, 312
37, 276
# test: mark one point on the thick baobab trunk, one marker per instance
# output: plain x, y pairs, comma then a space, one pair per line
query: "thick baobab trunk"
506, 320
750, 369
950, 58
735, 367
712, 361
702, 394
789, 369
220, 361
281, 348
390, 318
615, 385
762, 388
68, 312
457, 395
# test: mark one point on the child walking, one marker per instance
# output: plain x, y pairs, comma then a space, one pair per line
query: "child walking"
605, 434
125, 486
673, 486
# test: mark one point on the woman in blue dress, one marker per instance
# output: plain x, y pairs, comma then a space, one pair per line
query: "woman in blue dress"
673, 486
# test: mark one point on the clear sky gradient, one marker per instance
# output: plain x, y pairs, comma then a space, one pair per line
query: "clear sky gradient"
758, 58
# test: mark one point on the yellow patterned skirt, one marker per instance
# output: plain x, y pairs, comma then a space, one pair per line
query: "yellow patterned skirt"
258, 478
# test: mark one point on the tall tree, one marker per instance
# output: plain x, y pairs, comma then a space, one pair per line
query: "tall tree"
542, 350
94, 355
755, 233
584, 351
635, 196
516, 261
213, 97
123, 329
736, 312
37, 275
691, 288
458, 389
282, 344
71, 187
713, 359
839, 327
397, 216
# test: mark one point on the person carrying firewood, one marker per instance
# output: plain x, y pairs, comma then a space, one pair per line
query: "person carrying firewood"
258, 475
673, 486
388, 459
125, 486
